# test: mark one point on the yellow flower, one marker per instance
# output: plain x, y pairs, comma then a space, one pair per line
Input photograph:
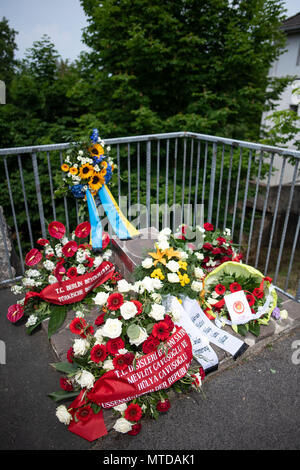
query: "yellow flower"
86, 171
158, 257
65, 167
171, 253
183, 278
103, 172
179, 300
73, 170
96, 150
183, 265
157, 273
96, 181
104, 164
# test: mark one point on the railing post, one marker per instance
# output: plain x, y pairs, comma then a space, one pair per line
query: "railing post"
212, 182
148, 181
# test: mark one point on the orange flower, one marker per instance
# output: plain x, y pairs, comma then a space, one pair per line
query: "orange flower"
73, 170
65, 167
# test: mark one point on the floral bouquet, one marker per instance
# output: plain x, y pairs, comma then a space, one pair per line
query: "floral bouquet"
129, 360
233, 277
62, 271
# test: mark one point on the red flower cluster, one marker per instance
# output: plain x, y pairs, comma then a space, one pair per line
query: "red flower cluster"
122, 361
79, 326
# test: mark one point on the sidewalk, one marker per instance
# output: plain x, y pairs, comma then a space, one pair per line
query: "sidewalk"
252, 404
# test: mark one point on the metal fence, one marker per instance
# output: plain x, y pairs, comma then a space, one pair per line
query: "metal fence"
230, 180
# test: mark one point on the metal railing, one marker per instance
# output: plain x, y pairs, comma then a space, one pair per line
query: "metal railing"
230, 180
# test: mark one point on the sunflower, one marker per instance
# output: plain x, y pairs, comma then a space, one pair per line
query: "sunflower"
65, 167
96, 181
73, 170
96, 150
86, 171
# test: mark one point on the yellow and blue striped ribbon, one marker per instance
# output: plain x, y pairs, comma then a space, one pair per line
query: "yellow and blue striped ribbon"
96, 227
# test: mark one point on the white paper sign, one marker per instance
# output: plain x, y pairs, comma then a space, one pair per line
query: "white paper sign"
238, 307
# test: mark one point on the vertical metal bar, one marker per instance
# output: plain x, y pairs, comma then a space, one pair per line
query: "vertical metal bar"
129, 178
197, 182
204, 172
264, 211
157, 182
286, 221
236, 193
119, 176
2, 226
174, 184
65, 199
148, 182
138, 174
25, 201
167, 181
212, 181
275, 214
13, 213
183, 178
245, 198
77, 213
51, 186
220, 187
254, 205
298, 292
228, 188
292, 254
190, 179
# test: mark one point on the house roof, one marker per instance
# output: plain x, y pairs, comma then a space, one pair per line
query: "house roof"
292, 24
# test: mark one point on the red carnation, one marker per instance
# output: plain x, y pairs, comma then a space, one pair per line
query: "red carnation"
84, 413
114, 344
115, 301
220, 289
83, 230
160, 330
90, 261
150, 344
78, 326
33, 257
163, 406
43, 241
69, 249
207, 246
56, 229
221, 240
15, 312
72, 272
136, 428
105, 240
129, 358
119, 362
100, 319
139, 306
98, 353
225, 259
251, 299
208, 227
235, 286
66, 384
216, 251
133, 412
70, 355
258, 293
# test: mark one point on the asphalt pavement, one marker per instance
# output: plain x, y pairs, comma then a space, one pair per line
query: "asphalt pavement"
254, 405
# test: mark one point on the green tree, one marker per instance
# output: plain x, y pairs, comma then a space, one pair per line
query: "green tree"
8, 47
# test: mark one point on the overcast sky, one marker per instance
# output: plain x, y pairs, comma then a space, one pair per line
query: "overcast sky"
62, 20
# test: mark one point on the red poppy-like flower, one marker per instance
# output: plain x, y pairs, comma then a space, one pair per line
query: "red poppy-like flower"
56, 229
15, 312
150, 344
43, 241
90, 261
251, 299
161, 330
70, 355
100, 319
119, 362
136, 428
169, 322
59, 271
66, 384
202, 373
114, 344
220, 289
115, 301
258, 293
84, 413
33, 257
83, 230
163, 406
208, 227
235, 286
139, 306
78, 326
98, 353
69, 249
72, 272
133, 412
221, 240
207, 246
105, 240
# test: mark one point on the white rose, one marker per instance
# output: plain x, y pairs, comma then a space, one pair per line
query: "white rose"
147, 284
99, 336
196, 286
80, 346
183, 255
112, 328
128, 310
108, 364
157, 312
141, 338
124, 286
163, 245
156, 283
85, 379
156, 297
173, 277
173, 266
97, 261
101, 298
122, 425
199, 273
63, 415
166, 231
162, 237
147, 263
121, 408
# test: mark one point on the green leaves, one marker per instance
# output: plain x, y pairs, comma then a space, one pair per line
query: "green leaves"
133, 331
62, 395
65, 367
58, 315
